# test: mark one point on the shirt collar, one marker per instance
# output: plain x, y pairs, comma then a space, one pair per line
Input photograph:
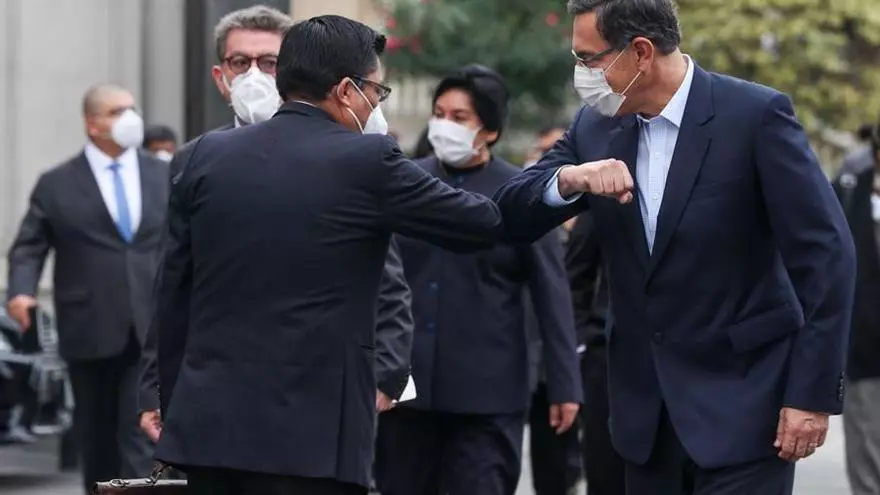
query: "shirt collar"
100, 161
674, 110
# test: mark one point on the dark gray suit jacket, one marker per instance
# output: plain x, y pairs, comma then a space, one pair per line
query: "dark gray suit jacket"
394, 324
102, 285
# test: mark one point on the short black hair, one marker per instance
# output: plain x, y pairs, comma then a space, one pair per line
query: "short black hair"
865, 132
487, 90
318, 53
158, 134
620, 21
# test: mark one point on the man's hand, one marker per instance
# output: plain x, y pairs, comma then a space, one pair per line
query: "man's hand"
800, 433
383, 402
608, 178
151, 423
18, 308
562, 416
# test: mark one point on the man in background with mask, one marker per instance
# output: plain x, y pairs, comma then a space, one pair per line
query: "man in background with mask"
101, 213
731, 269
160, 141
247, 43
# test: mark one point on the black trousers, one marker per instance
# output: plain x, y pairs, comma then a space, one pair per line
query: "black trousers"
430, 453
603, 467
214, 481
110, 440
670, 471
555, 459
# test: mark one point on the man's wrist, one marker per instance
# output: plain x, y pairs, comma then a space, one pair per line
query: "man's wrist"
564, 184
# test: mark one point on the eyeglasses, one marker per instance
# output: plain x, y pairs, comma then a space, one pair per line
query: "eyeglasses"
383, 91
239, 64
589, 61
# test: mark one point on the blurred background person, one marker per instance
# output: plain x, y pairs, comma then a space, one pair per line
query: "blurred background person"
860, 195
603, 466
463, 433
101, 213
423, 147
160, 141
862, 158
555, 458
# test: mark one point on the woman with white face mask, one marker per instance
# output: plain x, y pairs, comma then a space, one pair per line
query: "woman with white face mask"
463, 432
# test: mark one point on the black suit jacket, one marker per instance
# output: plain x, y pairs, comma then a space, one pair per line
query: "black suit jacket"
278, 234
854, 192
394, 323
102, 285
589, 284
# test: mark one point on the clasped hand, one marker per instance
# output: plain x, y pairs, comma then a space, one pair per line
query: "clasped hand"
609, 178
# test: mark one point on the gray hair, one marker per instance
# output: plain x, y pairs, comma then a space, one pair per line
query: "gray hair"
255, 18
619, 21
95, 95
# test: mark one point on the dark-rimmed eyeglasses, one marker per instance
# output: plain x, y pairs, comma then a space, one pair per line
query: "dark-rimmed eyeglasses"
383, 91
239, 64
589, 61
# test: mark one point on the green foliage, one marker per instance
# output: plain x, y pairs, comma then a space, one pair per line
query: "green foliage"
824, 53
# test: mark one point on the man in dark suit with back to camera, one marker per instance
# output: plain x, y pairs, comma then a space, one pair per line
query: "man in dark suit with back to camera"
101, 214
730, 265
247, 43
281, 262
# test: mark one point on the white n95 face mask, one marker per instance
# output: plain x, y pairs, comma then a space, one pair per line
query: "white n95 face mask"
254, 96
376, 123
453, 143
164, 155
593, 88
128, 130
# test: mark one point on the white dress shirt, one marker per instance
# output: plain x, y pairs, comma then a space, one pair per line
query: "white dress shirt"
129, 170
657, 139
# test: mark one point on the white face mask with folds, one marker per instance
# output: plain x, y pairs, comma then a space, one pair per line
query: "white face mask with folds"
593, 88
254, 96
453, 143
376, 123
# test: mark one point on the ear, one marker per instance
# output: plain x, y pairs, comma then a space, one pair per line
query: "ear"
645, 51
217, 74
489, 137
344, 92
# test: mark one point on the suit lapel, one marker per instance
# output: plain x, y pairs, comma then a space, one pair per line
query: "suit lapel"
88, 184
623, 145
690, 150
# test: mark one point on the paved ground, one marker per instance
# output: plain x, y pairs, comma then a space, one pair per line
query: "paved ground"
821, 475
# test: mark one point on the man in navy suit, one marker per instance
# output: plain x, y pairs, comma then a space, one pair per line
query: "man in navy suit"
730, 265
276, 239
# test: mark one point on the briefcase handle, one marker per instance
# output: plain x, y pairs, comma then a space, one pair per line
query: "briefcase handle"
155, 475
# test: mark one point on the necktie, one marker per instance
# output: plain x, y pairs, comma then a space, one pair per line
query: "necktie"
123, 217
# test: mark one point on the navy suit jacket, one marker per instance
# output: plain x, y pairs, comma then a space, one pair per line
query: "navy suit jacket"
277, 237
470, 351
744, 305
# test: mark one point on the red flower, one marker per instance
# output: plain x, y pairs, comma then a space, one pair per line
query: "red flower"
552, 19
393, 43
391, 23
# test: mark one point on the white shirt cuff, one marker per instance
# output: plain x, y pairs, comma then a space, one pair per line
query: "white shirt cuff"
551, 192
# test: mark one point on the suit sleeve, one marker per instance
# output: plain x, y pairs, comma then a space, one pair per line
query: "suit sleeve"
526, 215
148, 388
31, 246
173, 285
583, 260
817, 250
394, 327
551, 299
422, 207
